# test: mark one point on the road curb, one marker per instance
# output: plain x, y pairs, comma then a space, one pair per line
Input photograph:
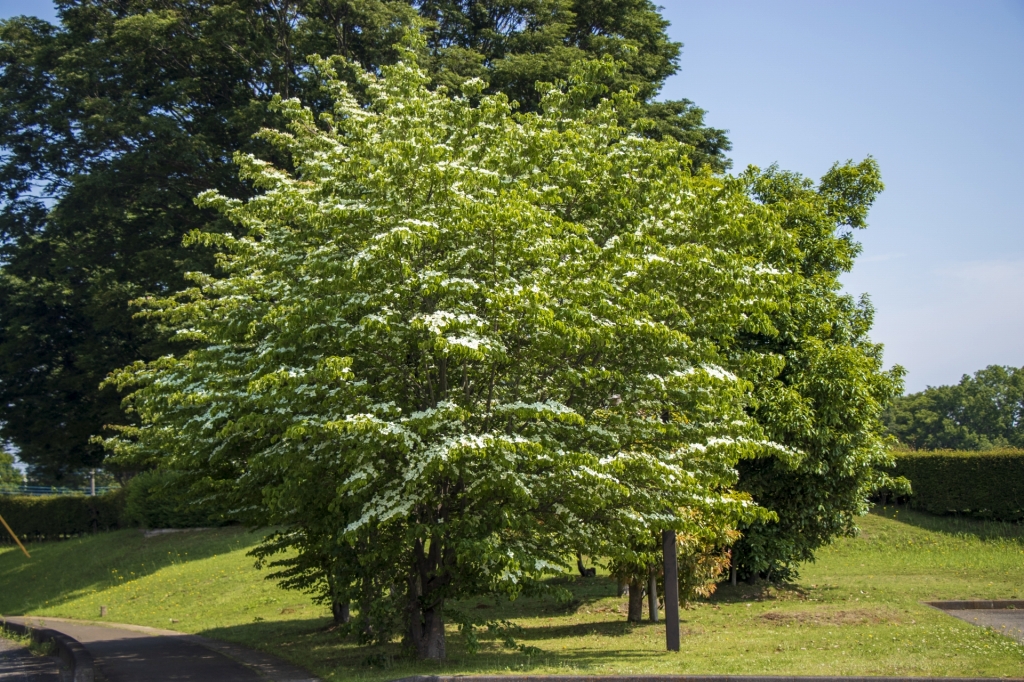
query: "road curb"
980, 604
688, 678
78, 661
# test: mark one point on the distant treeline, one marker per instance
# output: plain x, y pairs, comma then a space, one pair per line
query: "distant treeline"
981, 412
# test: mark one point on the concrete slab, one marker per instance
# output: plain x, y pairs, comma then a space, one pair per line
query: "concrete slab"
1009, 622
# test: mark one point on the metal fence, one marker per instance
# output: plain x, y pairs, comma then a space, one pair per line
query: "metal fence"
40, 490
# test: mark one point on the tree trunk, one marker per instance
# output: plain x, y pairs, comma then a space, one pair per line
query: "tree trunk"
413, 615
636, 601
431, 644
623, 586
426, 604
340, 612
652, 597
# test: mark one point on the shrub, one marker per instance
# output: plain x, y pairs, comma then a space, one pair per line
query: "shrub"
56, 517
163, 499
702, 565
986, 483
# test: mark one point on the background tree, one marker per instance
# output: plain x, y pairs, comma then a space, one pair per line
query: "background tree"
459, 344
827, 400
983, 411
112, 121
513, 44
110, 124
9, 476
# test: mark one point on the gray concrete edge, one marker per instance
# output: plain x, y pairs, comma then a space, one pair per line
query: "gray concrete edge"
80, 667
688, 678
981, 604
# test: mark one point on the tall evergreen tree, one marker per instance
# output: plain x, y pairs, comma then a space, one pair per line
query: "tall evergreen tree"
114, 120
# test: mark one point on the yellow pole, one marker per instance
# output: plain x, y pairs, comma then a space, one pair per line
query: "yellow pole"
15, 537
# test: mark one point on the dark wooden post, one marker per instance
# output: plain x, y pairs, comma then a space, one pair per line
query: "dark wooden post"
668, 542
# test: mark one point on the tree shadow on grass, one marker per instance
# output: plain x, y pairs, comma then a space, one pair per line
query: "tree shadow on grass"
616, 628
952, 524
312, 644
543, 602
761, 591
62, 570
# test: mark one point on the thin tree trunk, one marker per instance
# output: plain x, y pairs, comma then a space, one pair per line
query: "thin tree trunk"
622, 587
652, 597
415, 618
636, 601
364, 609
341, 613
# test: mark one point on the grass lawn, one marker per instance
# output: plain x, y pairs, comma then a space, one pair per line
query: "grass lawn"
856, 611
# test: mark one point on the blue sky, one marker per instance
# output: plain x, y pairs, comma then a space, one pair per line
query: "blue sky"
933, 90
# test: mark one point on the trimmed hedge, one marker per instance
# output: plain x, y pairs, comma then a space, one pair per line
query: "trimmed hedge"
984, 483
153, 499
162, 499
56, 517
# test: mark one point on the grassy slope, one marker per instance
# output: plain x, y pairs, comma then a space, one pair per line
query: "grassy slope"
856, 611
202, 579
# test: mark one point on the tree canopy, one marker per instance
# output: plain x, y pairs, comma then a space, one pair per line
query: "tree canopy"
827, 400
983, 411
114, 120
452, 344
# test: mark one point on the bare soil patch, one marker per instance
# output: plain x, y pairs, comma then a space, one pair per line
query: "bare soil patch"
847, 617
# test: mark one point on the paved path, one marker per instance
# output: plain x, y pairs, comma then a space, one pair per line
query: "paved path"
17, 664
131, 653
1009, 622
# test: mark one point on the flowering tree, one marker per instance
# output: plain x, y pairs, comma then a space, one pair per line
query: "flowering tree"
457, 344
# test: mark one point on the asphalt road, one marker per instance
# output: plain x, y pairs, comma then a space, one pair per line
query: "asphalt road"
17, 664
127, 653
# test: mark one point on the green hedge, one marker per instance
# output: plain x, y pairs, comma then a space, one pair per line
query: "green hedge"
163, 499
985, 483
153, 499
56, 517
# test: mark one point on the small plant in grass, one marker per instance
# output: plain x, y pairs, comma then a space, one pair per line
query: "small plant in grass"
37, 648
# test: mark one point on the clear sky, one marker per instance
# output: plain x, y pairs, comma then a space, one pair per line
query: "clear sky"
935, 91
